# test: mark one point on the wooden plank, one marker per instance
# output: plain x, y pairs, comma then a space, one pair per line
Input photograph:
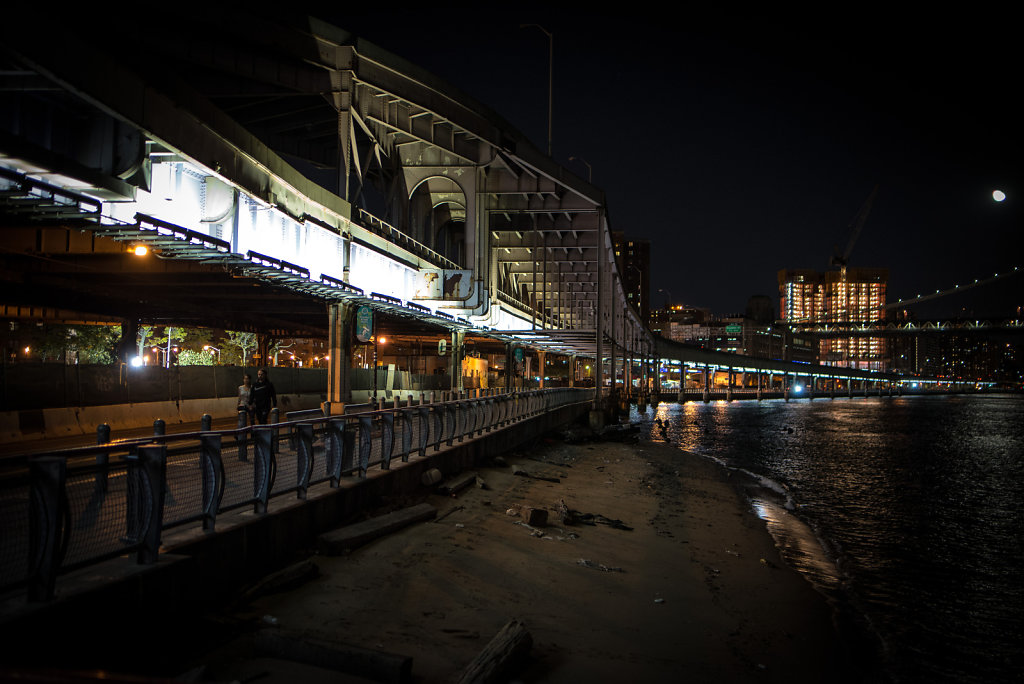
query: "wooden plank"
302, 648
500, 658
282, 580
456, 484
344, 538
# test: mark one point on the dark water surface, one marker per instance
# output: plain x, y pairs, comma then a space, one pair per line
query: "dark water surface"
909, 511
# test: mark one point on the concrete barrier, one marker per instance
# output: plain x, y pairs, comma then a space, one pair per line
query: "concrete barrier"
19, 426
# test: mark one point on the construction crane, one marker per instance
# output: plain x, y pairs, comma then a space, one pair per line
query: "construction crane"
841, 259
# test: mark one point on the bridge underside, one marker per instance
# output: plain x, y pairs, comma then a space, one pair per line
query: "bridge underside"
98, 279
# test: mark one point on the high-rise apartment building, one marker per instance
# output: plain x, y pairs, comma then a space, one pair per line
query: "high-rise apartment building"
849, 295
634, 261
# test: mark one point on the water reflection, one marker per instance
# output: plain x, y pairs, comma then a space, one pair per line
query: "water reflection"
799, 545
916, 498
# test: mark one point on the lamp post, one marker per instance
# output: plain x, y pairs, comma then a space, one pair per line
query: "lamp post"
211, 348
376, 340
551, 62
590, 169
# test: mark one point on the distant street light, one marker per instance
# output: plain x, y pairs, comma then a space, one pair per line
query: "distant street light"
208, 347
998, 195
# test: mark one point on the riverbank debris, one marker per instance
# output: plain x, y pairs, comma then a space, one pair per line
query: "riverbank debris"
501, 658
570, 517
519, 471
456, 484
597, 566
534, 517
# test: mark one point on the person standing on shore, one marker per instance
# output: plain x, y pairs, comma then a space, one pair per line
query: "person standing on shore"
262, 397
244, 394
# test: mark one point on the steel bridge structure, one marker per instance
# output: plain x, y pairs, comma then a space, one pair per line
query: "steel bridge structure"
283, 175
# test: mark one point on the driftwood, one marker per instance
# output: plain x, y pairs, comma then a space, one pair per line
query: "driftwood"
456, 484
288, 578
351, 536
501, 657
301, 648
522, 472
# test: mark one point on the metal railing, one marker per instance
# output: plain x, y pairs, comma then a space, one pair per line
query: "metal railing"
71, 509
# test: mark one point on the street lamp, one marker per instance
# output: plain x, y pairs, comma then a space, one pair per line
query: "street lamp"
590, 169
376, 341
211, 348
551, 62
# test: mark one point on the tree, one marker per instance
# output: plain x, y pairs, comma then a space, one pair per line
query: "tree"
145, 334
187, 357
94, 344
242, 341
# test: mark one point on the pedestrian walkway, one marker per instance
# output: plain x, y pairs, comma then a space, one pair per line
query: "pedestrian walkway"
49, 444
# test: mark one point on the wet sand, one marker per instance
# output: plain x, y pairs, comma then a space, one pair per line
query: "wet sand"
695, 591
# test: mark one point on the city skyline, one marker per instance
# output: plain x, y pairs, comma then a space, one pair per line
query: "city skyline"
741, 147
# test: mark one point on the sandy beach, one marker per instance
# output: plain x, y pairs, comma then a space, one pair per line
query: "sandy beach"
694, 591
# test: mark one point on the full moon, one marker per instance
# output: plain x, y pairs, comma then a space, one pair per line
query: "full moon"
998, 195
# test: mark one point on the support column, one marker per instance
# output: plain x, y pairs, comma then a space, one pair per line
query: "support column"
572, 370
339, 362
810, 387
681, 397
458, 338
657, 377
707, 384
542, 362
599, 318
759, 378
728, 386
611, 364
544, 299
127, 346
785, 386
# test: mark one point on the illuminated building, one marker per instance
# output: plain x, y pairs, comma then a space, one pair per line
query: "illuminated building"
849, 296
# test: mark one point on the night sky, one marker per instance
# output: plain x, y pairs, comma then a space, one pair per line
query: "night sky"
742, 146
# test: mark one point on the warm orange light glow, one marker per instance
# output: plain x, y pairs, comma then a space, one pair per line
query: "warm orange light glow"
383, 340
140, 250
27, 349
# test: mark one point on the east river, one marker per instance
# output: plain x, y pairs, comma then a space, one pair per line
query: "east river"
906, 512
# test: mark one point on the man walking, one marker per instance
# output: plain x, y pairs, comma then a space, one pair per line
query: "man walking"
262, 397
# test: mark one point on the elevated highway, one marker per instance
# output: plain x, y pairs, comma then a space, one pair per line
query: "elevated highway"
284, 176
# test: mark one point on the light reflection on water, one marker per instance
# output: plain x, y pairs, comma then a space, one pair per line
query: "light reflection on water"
918, 499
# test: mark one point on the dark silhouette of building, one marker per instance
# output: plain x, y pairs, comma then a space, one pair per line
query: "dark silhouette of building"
633, 257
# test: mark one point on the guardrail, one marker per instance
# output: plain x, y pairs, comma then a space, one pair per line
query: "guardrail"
71, 509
